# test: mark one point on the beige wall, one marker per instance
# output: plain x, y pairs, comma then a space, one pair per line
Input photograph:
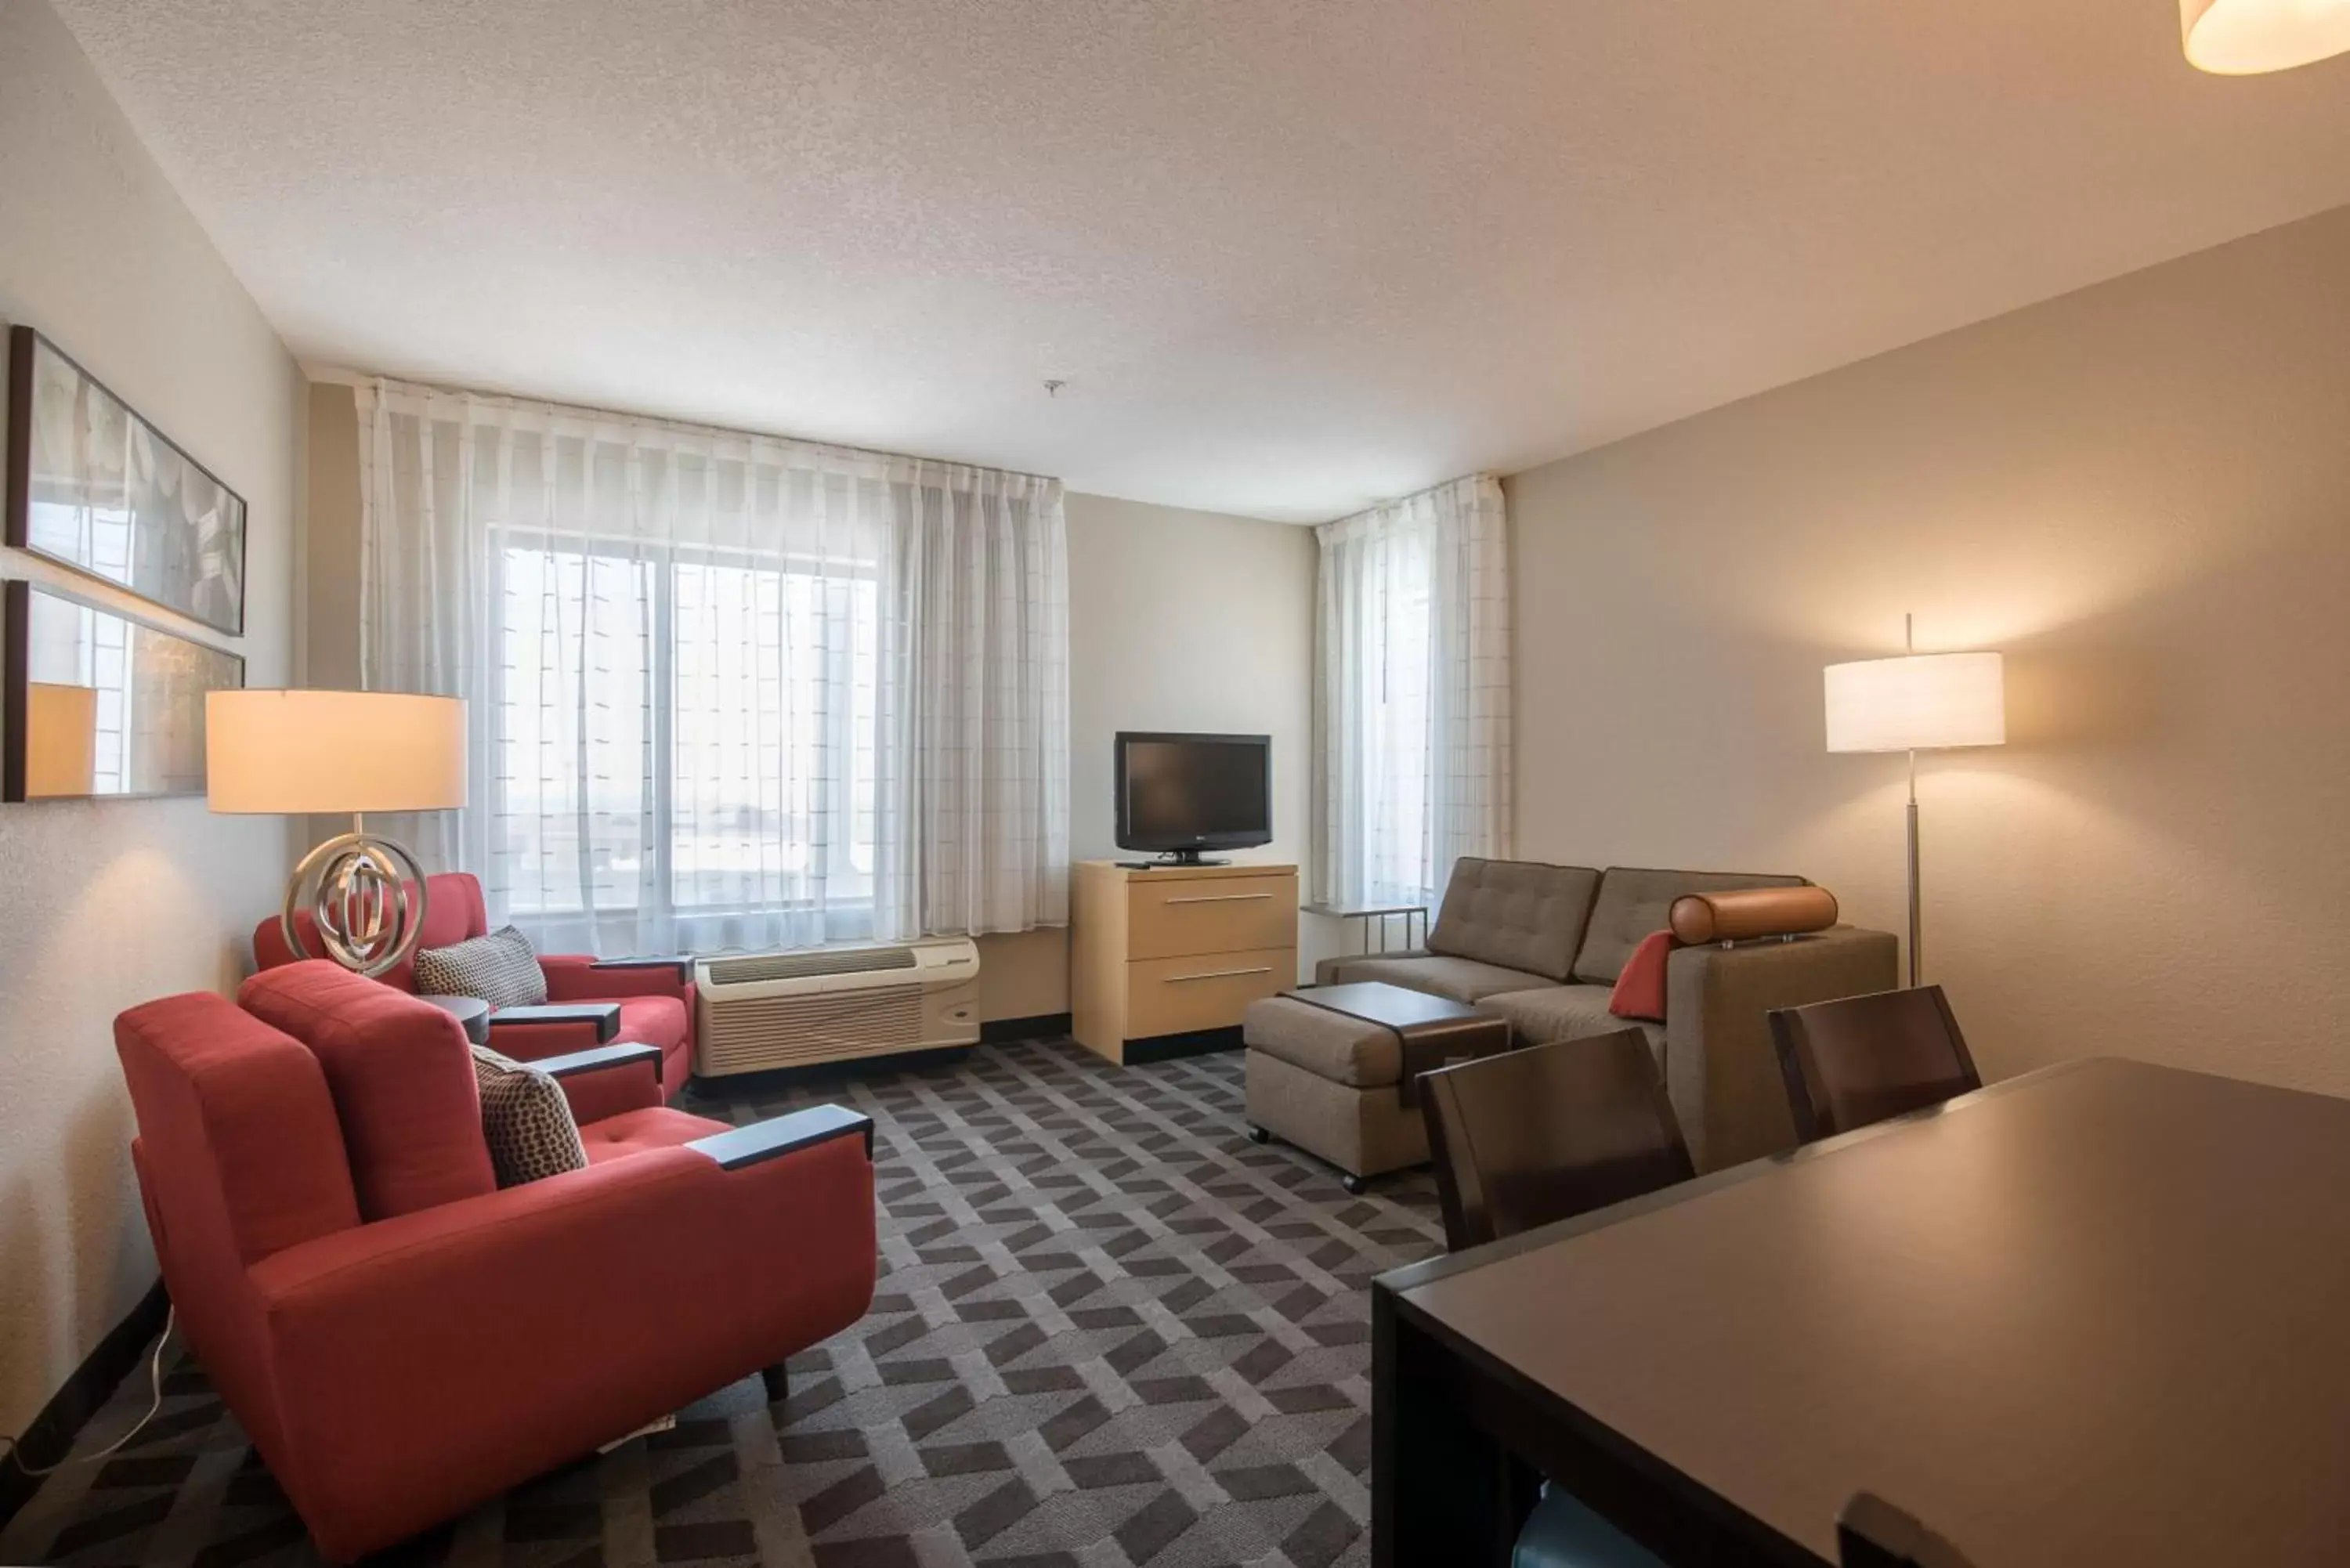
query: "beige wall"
330, 586
1186, 620
112, 903
1177, 620
2141, 493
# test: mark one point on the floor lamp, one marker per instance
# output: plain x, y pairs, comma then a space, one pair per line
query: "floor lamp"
324, 753
1918, 702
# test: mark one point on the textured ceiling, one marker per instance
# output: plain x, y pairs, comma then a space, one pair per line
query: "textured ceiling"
1290, 255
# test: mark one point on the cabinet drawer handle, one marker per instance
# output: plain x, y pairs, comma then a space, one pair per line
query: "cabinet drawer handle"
1219, 898
1218, 974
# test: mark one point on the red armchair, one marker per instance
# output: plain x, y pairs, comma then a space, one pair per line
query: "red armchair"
590, 1001
400, 1338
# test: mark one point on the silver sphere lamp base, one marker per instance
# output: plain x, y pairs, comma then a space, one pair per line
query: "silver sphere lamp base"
354, 887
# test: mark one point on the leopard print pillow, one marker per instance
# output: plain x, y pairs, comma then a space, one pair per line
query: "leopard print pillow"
500, 967
526, 1120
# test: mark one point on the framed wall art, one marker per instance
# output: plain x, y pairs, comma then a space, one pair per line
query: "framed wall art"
95, 703
94, 486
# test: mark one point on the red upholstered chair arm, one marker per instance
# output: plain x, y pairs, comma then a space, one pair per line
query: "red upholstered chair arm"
574, 977
468, 1346
607, 1080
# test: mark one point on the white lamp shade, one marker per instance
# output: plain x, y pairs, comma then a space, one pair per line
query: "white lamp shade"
1922, 703
333, 751
2245, 38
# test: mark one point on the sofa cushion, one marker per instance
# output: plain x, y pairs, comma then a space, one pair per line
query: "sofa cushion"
1515, 914
1462, 980
639, 1131
1633, 902
1330, 1045
1567, 1012
652, 1020
401, 1073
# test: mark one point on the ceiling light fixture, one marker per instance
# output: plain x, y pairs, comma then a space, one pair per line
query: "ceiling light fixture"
2246, 37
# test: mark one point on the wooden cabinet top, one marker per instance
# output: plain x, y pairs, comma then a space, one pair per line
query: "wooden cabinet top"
1112, 868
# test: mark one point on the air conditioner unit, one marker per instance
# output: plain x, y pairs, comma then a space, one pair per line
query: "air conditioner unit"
762, 1011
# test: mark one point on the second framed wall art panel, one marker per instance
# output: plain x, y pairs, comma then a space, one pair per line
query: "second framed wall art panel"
94, 703
94, 486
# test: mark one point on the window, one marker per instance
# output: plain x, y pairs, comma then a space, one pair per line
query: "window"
773, 706
1411, 695
682, 734
1397, 844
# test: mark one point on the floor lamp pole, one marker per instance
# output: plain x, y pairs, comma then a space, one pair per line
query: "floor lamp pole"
1914, 921
1909, 645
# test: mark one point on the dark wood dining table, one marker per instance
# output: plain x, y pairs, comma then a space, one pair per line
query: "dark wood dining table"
2097, 1314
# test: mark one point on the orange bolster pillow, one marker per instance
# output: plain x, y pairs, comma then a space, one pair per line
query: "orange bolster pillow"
1700, 917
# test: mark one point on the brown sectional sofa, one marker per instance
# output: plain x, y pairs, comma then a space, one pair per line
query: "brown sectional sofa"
1541, 946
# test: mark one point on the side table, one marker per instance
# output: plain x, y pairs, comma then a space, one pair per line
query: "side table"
1367, 917
470, 1011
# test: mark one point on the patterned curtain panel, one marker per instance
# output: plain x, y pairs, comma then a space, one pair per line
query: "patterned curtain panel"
1411, 694
975, 712
725, 691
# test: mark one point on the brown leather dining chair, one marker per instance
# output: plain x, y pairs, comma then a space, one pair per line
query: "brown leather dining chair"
1548, 1132
1865, 1058
1543, 1134
1873, 1534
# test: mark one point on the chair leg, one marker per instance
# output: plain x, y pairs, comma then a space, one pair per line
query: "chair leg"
778, 1381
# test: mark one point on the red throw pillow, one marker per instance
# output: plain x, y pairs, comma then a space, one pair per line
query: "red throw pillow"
1641, 989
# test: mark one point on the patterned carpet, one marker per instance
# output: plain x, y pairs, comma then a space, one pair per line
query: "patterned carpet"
1109, 1331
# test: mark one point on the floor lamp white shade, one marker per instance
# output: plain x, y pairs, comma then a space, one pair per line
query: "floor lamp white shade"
1918, 702
1923, 702
2247, 37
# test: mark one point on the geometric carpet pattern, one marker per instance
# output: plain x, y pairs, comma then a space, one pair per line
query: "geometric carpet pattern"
1108, 1331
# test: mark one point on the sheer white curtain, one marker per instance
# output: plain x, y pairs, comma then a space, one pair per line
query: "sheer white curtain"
1411, 695
726, 692
974, 709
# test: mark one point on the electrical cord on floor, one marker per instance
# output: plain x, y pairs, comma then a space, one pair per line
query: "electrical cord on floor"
9, 1447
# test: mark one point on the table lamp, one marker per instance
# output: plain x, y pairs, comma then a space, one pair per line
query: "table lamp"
300, 753
1921, 701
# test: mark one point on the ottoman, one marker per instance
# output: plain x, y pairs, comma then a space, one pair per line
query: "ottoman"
1332, 1069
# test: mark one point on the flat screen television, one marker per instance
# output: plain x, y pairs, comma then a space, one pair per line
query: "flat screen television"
1180, 794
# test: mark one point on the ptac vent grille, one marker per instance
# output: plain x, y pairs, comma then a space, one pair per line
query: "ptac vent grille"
748, 1033
795, 966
